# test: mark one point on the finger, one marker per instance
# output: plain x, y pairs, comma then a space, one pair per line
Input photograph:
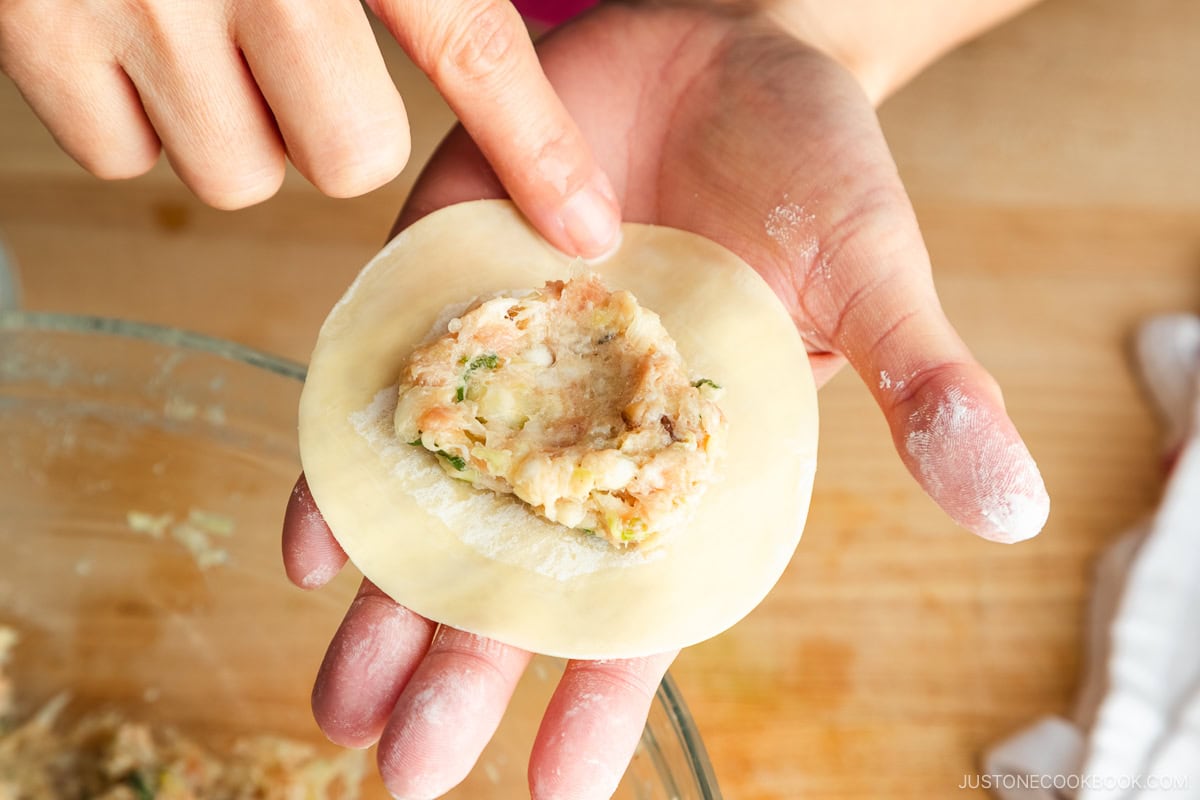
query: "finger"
83, 97
311, 556
945, 411
592, 726
200, 97
479, 55
370, 659
447, 713
320, 70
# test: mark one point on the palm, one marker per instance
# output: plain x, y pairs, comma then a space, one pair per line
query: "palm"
733, 130
730, 129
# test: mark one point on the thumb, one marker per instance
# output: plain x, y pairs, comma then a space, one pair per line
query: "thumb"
480, 57
946, 413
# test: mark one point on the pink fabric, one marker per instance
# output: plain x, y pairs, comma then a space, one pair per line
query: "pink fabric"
552, 12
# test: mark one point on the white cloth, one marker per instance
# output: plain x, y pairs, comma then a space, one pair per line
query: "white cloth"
1135, 730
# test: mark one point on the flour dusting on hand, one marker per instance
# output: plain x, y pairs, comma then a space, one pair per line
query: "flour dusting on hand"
976, 468
319, 576
443, 712
790, 225
886, 381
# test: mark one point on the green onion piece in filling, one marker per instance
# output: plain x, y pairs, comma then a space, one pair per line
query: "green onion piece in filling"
137, 781
488, 361
631, 530
704, 381
458, 462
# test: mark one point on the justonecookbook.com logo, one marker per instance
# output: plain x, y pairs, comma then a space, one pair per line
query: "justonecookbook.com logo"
1107, 783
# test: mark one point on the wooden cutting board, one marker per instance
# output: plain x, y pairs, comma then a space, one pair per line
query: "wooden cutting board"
1054, 170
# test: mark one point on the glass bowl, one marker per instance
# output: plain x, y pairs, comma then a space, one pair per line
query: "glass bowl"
143, 474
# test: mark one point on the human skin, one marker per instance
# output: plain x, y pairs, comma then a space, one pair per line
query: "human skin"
229, 89
732, 127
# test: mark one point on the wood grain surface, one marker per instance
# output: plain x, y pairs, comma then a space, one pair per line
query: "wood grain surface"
1053, 164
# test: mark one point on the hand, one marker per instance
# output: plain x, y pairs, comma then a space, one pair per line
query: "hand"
228, 88
730, 128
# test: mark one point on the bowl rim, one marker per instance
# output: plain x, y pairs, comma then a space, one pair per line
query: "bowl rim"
152, 332
668, 694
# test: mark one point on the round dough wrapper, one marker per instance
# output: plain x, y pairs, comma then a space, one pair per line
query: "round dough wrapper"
486, 564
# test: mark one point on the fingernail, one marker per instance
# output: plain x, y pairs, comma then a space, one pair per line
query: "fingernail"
591, 218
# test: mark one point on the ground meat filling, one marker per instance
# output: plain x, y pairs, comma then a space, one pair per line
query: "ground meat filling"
573, 398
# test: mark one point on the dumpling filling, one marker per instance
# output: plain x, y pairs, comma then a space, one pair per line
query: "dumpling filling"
576, 400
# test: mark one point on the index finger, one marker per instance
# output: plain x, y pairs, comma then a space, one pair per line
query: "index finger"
481, 58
